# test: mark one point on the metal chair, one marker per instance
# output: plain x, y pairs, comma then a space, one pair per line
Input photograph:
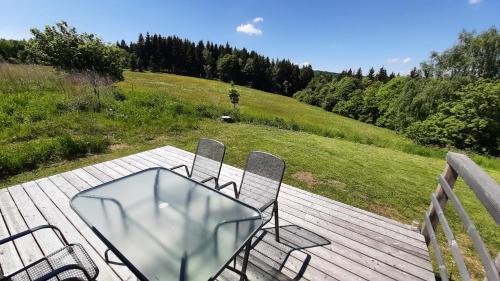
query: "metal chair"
260, 185
69, 263
207, 162
269, 257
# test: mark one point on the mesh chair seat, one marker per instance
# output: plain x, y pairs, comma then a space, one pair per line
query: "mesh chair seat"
268, 257
73, 257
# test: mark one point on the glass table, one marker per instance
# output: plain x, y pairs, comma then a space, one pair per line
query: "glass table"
165, 226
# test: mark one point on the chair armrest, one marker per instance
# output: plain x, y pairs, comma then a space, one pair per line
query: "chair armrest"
62, 269
209, 179
235, 188
267, 205
107, 260
34, 229
180, 166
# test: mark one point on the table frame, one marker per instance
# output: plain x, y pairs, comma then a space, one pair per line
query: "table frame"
246, 244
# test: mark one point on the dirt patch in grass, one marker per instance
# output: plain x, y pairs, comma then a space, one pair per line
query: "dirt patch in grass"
309, 179
305, 177
118, 146
386, 211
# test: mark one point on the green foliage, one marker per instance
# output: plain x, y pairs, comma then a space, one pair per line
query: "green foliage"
48, 116
459, 110
474, 55
62, 47
19, 157
470, 120
234, 96
228, 68
11, 50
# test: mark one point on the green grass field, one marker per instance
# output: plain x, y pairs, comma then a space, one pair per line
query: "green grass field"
365, 166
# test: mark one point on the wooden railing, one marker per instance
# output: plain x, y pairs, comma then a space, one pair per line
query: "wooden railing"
488, 193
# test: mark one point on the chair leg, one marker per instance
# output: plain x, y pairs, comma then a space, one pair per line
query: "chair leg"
276, 221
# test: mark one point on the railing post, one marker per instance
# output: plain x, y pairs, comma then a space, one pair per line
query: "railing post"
450, 175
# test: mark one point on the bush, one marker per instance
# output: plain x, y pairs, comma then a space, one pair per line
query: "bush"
62, 47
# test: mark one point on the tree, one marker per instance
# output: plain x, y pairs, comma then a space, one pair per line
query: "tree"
359, 73
474, 55
371, 74
414, 73
382, 75
62, 47
228, 68
234, 96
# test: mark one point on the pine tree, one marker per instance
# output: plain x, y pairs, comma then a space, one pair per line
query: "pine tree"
359, 73
382, 75
371, 74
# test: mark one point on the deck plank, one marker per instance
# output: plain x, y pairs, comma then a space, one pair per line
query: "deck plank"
364, 245
9, 258
26, 246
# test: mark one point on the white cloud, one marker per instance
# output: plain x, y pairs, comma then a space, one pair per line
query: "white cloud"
249, 29
474, 2
392, 60
407, 60
258, 19
306, 63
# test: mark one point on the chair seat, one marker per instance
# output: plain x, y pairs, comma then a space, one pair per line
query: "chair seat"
73, 254
268, 256
257, 270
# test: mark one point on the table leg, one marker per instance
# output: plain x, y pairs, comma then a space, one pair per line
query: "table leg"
245, 260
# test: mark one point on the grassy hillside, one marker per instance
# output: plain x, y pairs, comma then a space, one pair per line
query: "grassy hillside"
263, 108
358, 164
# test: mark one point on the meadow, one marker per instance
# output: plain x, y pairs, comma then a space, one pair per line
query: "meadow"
52, 122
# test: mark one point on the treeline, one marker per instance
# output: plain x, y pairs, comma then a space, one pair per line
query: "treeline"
452, 100
212, 61
11, 50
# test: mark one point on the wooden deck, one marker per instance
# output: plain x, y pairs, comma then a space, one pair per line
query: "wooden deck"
364, 246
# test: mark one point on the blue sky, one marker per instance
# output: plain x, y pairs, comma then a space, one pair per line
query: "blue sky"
330, 35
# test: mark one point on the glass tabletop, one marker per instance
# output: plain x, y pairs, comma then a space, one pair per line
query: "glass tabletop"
165, 226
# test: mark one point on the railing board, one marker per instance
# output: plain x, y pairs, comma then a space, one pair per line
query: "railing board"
485, 188
437, 250
455, 250
489, 266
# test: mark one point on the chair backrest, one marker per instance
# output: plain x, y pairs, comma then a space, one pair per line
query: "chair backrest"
261, 179
208, 159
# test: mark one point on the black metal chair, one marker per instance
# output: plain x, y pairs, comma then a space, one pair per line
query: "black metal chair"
260, 184
207, 162
268, 257
69, 263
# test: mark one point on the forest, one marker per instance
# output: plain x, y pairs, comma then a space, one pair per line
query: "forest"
452, 100
172, 54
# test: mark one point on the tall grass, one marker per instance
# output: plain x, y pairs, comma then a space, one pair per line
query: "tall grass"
48, 116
